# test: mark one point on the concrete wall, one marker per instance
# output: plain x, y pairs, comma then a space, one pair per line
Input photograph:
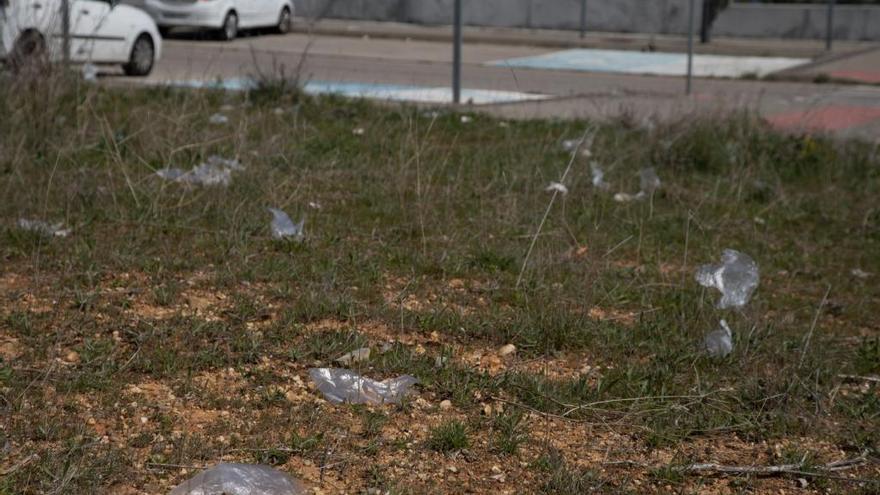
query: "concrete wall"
642, 16
851, 22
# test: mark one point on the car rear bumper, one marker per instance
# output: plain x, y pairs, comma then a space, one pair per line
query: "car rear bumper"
184, 13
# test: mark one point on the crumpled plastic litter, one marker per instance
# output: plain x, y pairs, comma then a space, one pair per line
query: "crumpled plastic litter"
357, 131
649, 182
215, 171
736, 277
626, 197
719, 343
598, 177
284, 228
466, 119
569, 145
859, 273
355, 356
240, 479
90, 72
345, 386
218, 119
43, 228
558, 187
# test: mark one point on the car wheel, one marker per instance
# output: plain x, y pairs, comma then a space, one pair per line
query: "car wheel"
142, 58
230, 27
284, 21
29, 51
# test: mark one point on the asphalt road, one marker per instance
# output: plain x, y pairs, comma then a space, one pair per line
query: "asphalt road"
823, 107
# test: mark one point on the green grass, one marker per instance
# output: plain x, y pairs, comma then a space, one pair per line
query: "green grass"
449, 437
416, 248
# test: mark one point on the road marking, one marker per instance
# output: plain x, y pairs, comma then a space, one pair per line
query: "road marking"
652, 63
827, 118
389, 92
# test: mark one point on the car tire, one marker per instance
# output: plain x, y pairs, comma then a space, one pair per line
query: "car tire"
29, 51
142, 58
229, 29
285, 21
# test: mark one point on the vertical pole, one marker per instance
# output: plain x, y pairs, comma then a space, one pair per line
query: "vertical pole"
829, 29
456, 54
690, 68
65, 31
583, 18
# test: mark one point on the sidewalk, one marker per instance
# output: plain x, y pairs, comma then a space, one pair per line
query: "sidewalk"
546, 38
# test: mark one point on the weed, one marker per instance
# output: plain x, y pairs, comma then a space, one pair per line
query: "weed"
451, 436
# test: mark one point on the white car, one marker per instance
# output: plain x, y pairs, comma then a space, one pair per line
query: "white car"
226, 17
102, 32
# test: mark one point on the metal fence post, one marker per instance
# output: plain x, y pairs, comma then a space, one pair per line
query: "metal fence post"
65, 31
583, 18
690, 67
829, 29
456, 54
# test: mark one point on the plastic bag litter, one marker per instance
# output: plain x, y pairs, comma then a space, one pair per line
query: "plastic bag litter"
557, 187
859, 273
44, 228
598, 177
90, 72
649, 180
355, 356
466, 119
218, 119
284, 228
240, 479
719, 343
215, 171
736, 277
341, 385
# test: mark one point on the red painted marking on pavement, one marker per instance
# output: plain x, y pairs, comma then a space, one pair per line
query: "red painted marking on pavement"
830, 118
857, 75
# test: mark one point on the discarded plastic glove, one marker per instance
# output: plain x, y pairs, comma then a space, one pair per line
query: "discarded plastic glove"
719, 343
341, 385
284, 228
43, 228
240, 479
736, 277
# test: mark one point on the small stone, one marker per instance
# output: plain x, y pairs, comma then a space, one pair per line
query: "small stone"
507, 350
496, 469
72, 357
452, 469
144, 420
446, 405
